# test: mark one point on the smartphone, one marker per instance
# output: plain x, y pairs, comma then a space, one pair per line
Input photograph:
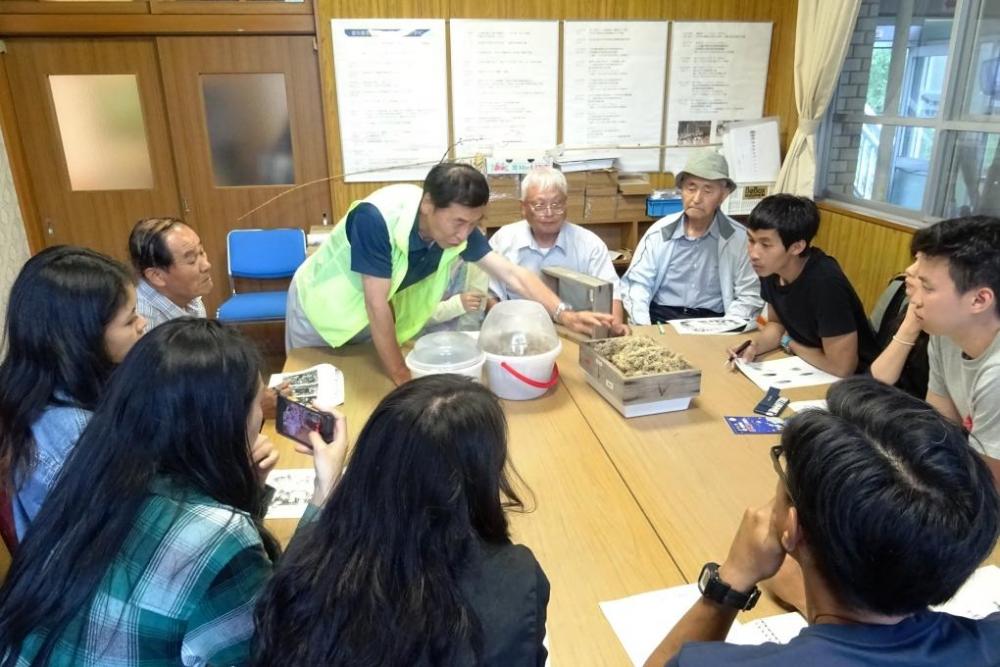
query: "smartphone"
295, 421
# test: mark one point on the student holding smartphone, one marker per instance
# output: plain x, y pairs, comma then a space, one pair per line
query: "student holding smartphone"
151, 549
410, 562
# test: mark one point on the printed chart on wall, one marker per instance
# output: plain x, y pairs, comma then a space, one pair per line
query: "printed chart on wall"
505, 82
388, 119
718, 74
614, 73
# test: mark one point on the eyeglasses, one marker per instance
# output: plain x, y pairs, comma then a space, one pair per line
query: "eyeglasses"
776, 453
540, 207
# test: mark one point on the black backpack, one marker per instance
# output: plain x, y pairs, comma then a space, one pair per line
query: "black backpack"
887, 315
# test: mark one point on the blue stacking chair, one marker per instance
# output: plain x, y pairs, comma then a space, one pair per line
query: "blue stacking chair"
261, 254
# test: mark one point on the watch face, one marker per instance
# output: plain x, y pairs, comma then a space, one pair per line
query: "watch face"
707, 572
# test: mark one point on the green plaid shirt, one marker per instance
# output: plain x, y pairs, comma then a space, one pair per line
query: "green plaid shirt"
181, 592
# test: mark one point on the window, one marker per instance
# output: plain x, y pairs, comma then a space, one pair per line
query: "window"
102, 131
248, 129
915, 122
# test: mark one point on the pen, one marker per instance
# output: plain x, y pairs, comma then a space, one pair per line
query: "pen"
740, 350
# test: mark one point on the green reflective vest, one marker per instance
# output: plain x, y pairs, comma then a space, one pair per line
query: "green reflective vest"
331, 294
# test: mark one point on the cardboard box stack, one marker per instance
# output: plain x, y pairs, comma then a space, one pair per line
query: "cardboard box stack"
576, 188
505, 200
632, 192
601, 200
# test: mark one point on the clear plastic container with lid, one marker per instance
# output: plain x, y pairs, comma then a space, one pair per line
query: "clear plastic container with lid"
445, 352
518, 328
521, 346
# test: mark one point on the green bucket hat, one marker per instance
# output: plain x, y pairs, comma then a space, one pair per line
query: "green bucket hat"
707, 164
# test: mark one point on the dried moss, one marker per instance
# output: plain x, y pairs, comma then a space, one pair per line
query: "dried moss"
639, 355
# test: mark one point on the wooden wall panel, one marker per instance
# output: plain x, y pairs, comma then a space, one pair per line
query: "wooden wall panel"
779, 99
870, 251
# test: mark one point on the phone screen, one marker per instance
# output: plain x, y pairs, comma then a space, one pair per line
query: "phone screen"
296, 421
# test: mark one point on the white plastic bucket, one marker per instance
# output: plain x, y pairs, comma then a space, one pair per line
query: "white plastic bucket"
442, 352
522, 378
521, 347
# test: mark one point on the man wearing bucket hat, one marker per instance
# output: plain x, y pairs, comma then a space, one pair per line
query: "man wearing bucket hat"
694, 263
383, 270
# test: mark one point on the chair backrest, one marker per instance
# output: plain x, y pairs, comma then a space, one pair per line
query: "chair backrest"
891, 303
265, 253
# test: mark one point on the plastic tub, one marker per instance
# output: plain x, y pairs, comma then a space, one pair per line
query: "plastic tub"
521, 346
446, 352
658, 208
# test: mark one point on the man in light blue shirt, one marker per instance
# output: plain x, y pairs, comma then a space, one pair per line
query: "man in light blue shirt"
544, 238
694, 263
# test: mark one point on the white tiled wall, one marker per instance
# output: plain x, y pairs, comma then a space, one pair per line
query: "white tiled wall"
13, 243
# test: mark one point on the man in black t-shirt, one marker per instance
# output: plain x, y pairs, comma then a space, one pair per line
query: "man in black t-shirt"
813, 312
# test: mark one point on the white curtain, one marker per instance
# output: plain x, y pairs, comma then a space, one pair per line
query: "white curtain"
823, 34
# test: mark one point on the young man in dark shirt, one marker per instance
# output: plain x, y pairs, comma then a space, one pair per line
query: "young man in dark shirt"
887, 510
813, 312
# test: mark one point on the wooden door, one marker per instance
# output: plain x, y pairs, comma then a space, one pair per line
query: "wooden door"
91, 117
236, 145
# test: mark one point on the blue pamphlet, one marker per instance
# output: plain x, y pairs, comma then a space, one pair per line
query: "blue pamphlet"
753, 425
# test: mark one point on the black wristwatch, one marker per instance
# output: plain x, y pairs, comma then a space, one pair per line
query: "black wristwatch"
716, 590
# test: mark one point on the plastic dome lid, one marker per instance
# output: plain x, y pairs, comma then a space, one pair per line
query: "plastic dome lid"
519, 328
444, 351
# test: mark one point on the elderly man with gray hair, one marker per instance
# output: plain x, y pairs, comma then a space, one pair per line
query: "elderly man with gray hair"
544, 238
694, 263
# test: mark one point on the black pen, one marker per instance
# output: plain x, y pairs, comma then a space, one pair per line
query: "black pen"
740, 350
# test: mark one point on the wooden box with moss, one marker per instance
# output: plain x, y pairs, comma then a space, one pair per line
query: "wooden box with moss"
638, 376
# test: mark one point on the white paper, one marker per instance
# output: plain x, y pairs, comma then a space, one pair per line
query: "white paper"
642, 621
978, 597
753, 151
322, 383
718, 73
799, 406
293, 488
704, 326
613, 83
784, 373
675, 158
505, 81
392, 96
779, 629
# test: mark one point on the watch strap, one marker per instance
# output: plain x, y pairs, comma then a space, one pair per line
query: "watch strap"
715, 589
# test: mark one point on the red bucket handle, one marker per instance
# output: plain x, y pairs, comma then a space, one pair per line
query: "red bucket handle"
529, 381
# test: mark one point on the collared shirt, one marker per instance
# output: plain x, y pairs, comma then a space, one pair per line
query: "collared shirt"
371, 252
158, 309
692, 278
576, 248
181, 590
55, 434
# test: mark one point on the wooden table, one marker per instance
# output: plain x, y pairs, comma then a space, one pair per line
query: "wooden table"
624, 506
691, 475
592, 539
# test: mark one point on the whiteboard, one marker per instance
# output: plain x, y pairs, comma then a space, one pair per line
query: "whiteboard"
392, 96
718, 74
614, 75
505, 81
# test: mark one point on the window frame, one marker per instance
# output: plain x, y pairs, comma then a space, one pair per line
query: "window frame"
948, 123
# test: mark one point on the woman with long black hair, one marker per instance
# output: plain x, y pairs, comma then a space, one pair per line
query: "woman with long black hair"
410, 562
70, 320
150, 550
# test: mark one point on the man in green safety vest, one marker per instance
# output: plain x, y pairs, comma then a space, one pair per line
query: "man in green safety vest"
386, 265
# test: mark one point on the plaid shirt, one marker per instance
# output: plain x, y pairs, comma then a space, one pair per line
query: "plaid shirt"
180, 592
158, 309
